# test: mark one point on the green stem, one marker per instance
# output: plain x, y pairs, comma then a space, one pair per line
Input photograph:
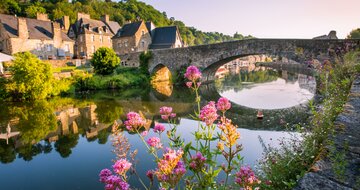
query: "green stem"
147, 146
228, 167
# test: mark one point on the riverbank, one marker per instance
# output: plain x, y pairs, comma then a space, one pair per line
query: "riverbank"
340, 169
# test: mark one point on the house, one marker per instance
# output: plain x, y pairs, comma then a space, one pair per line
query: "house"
89, 34
331, 35
166, 37
40, 36
151, 27
132, 37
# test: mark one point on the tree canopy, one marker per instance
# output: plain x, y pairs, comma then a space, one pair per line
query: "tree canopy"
354, 34
105, 61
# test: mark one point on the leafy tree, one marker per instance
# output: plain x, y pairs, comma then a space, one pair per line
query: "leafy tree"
10, 7
32, 10
31, 78
354, 34
105, 61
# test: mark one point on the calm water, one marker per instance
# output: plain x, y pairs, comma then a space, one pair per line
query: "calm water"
63, 143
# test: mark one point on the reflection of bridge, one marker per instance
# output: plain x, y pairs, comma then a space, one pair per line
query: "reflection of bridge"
210, 57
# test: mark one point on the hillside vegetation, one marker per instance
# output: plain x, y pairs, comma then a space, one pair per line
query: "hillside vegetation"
122, 11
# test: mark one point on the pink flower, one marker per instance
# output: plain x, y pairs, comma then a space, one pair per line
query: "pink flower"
159, 128
154, 142
150, 175
208, 113
121, 166
134, 121
198, 84
166, 113
104, 174
223, 104
189, 84
144, 133
192, 73
246, 177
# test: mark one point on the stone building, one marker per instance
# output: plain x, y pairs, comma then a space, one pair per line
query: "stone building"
166, 37
39, 36
132, 37
90, 34
331, 35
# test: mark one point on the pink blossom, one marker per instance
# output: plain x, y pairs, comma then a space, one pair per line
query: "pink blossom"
134, 121
144, 133
208, 113
150, 175
166, 113
192, 73
159, 128
198, 84
246, 177
223, 104
154, 142
104, 174
121, 166
189, 84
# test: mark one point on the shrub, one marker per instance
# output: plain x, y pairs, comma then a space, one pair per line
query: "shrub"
31, 78
105, 61
144, 62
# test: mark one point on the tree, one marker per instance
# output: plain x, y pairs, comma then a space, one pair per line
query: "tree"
105, 61
31, 78
354, 34
32, 10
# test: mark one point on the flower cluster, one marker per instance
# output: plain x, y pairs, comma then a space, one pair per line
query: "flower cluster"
134, 121
112, 182
223, 104
154, 142
121, 166
197, 162
192, 73
166, 113
229, 133
159, 128
208, 113
246, 178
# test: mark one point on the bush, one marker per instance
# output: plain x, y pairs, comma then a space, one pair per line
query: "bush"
144, 62
105, 61
31, 78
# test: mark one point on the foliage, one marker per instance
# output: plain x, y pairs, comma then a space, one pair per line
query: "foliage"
33, 9
198, 160
105, 61
31, 78
354, 34
10, 7
144, 62
285, 165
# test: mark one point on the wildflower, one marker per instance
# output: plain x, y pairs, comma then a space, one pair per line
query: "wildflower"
192, 73
197, 162
121, 166
246, 178
230, 134
208, 113
223, 104
144, 133
154, 142
220, 146
123, 185
150, 175
166, 113
189, 84
134, 121
104, 174
159, 128
198, 84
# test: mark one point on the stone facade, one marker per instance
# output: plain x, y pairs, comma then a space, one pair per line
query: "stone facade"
89, 34
133, 37
39, 36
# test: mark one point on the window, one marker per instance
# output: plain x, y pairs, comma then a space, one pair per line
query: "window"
109, 39
81, 49
93, 49
143, 32
142, 44
93, 38
126, 43
101, 38
119, 45
67, 48
81, 38
38, 46
49, 47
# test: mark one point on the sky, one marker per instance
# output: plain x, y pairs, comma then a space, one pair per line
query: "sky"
266, 18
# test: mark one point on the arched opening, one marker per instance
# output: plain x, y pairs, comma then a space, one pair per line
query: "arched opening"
161, 80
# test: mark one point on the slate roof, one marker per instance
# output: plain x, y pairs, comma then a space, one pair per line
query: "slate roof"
164, 37
92, 26
114, 26
38, 29
128, 29
150, 26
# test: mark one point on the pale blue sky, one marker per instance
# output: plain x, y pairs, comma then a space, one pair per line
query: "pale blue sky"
266, 18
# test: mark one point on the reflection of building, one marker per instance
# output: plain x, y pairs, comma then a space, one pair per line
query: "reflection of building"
307, 82
244, 63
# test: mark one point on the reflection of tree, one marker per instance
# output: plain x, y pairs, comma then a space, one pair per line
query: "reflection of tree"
103, 136
27, 152
108, 111
65, 144
7, 152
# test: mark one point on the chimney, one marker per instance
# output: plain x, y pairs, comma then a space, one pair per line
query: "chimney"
22, 28
82, 15
66, 22
332, 35
56, 30
105, 18
42, 16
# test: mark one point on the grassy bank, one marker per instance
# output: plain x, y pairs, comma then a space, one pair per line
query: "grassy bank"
283, 166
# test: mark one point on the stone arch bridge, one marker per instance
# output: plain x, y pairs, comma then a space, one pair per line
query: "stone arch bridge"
210, 57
